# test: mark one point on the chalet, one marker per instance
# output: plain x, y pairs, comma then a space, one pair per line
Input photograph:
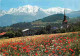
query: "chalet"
28, 32
2, 34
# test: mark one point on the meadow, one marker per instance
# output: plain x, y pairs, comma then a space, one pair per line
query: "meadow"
61, 44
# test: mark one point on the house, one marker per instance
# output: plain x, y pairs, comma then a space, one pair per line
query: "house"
28, 32
2, 34
54, 28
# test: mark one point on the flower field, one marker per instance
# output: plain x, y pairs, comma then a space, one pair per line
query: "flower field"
65, 44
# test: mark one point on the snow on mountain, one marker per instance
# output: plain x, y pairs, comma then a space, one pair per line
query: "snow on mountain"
33, 10
57, 10
2, 12
25, 9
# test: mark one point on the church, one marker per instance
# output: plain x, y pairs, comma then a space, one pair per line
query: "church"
65, 22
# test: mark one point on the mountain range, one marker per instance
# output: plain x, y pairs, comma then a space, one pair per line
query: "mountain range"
30, 13
33, 10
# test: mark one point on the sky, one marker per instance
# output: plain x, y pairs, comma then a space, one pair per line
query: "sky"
45, 4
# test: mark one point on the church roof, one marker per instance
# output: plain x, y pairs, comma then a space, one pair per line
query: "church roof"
65, 21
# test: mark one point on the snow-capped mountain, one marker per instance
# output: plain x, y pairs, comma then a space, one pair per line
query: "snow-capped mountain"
2, 12
57, 10
28, 9
32, 10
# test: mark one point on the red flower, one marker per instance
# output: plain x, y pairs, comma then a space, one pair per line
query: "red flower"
68, 42
59, 52
53, 51
71, 49
6, 53
67, 37
38, 49
15, 48
55, 45
46, 51
24, 47
78, 35
36, 53
57, 49
18, 54
60, 41
27, 51
66, 46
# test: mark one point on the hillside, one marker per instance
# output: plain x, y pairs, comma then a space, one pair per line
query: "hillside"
74, 14
74, 20
8, 19
21, 25
53, 19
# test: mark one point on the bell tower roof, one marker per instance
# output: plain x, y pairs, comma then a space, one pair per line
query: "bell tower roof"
65, 20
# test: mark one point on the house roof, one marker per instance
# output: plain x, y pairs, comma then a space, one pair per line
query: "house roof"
25, 30
3, 33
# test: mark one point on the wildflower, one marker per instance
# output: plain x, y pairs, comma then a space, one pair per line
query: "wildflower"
67, 37
61, 37
15, 48
27, 51
60, 41
66, 46
53, 51
71, 49
37, 48
46, 51
68, 42
59, 52
57, 49
18, 54
55, 45
36, 53
78, 35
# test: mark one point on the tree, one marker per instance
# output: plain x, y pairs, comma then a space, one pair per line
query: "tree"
63, 30
41, 31
10, 34
18, 33
48, 28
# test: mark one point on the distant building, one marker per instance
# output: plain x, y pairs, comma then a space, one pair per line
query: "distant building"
65, 22
2, 34
54, 28
28, 32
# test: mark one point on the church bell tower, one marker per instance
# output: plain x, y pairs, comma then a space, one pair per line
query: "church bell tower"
65, 21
